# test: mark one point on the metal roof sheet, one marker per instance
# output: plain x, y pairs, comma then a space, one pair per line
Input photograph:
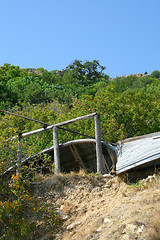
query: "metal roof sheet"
138, 151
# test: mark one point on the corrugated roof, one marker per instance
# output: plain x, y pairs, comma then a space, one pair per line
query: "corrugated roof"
138, 152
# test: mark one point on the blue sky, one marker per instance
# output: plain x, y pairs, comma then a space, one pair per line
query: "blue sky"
124, 35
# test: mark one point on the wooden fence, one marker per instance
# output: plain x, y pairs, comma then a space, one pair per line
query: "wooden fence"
55, 127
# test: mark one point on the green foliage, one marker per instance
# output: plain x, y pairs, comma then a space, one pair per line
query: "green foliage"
10, 125
29, 89
136, 185
84, 73
132, 113
133, 82
35, 86
84, 88
128, 106
22, 212
155, 74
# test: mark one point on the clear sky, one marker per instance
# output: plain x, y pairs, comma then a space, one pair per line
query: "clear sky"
124, 35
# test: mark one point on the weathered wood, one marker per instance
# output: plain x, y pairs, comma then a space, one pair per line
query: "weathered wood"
75, 120
91, 156
56, 150
66, 155
105, 165
37, 131
77, 156
98, 144
58, 124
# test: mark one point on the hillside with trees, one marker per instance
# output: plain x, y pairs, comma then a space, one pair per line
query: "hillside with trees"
128, 106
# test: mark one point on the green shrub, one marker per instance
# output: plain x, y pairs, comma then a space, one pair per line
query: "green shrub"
21, 212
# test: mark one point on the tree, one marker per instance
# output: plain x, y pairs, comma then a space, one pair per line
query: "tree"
29, 89
86, 73
155, 74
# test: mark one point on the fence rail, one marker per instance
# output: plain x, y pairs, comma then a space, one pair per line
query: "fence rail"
56, 138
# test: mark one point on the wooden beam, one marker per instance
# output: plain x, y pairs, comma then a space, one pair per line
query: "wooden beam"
57, 125
37, 131
105, 165
75, 120
77, 156
56, 150
98, 144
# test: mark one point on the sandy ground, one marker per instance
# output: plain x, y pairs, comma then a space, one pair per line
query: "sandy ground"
102, 207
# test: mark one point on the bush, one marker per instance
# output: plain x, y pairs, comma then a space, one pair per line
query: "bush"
21, 212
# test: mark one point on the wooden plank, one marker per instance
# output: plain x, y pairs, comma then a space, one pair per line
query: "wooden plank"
105, 165
77, 156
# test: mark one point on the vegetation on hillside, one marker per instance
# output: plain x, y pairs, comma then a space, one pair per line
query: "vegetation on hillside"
128, 106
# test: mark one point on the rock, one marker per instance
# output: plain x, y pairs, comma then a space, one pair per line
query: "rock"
148, 179
73, 225
89, 236
99, 229
106, 220
140, 229
108, 185
108, 176
134, 229
62, 215
131, 228
60, 212
65, 217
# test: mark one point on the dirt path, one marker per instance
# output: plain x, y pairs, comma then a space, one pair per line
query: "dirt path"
103, 207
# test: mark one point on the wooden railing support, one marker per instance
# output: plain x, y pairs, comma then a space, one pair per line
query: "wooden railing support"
56, 150
98, 144
55, 127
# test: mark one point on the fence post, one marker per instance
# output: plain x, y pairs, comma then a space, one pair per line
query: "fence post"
98, 144
19, 153
56, 150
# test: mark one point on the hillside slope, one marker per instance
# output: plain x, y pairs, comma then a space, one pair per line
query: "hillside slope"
101, 207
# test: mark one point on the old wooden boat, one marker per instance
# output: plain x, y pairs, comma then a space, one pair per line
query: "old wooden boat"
76, 155
82, 154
